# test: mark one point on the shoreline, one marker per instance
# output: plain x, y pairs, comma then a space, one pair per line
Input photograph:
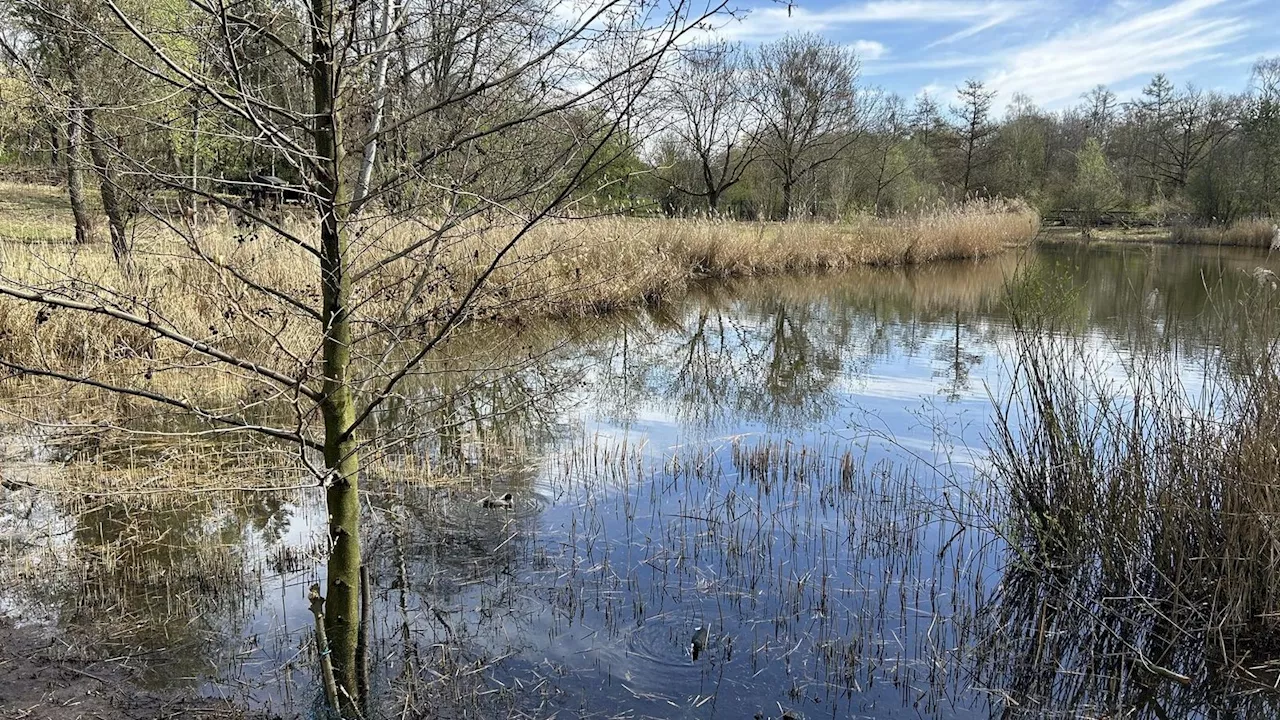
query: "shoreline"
1152, 235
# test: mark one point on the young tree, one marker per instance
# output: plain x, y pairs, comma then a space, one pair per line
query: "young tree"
973, 129
1095, 189
805, 97
509, 114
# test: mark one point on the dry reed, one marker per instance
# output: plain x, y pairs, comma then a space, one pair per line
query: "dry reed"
1255, 232
562, 269
1139, 503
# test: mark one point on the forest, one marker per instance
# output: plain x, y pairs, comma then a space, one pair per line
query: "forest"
788, 129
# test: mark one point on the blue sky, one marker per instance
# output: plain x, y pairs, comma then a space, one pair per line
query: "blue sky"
1051, 50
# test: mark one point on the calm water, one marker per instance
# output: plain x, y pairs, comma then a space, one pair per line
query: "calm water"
794, 465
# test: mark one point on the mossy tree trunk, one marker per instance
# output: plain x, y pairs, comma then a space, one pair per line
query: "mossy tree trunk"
342, 616
75, 159
112, 205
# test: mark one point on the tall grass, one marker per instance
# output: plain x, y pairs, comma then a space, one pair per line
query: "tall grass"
1256, 232
1144, 513
562, 269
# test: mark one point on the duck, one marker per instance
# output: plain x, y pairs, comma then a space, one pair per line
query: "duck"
701, 638
506, 502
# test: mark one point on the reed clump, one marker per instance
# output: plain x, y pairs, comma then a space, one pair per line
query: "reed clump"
1253, 232
1144, 515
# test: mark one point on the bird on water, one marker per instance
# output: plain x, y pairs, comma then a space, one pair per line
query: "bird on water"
506, 502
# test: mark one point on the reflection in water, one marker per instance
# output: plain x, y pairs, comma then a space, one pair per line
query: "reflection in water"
787, 476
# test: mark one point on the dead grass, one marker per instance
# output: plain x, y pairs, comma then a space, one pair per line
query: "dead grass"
35, 213
192, 279
1258, 233
1141, 503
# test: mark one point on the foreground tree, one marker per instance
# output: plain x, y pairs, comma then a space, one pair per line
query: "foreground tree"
505, 114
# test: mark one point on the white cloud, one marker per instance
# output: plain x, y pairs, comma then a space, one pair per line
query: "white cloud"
977, 16
1253, 57
870, 49
1119, 47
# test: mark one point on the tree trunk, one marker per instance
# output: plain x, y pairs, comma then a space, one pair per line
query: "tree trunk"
111, 205
968, 167
786, 199
379, 105
55, 147
338, 407
75, 176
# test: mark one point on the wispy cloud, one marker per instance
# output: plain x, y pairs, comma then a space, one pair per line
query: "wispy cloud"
974, 17
1126, 43
950, 62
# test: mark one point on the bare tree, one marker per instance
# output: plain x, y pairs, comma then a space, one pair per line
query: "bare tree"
888, 162
326, 311
805, 97
53, 50
65, 65
1201, 121
1260, 124
974, 128
1100, 108
709, 98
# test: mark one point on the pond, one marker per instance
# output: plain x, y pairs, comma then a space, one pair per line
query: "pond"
769, 499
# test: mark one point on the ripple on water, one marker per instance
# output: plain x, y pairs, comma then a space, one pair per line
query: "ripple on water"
531, 502
664, 641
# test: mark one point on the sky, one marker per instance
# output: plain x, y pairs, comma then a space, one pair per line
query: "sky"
1050, 50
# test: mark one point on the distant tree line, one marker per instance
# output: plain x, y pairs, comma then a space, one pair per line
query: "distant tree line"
783, 130
787, 130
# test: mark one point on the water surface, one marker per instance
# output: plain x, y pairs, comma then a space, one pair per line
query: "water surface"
790, 471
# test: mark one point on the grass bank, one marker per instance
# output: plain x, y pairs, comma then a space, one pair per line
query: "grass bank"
1252, 233
1259, 233
196, 281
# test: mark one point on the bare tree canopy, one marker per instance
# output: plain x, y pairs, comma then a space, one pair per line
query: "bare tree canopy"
805, 95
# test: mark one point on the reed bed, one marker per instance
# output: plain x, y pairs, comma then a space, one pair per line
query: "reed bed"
562, 269
1253, 232
1144, 519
